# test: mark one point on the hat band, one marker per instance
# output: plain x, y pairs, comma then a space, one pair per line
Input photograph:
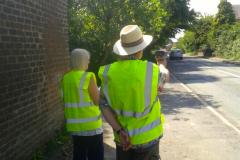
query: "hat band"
133, 44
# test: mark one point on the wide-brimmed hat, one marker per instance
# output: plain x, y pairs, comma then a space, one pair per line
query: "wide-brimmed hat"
131, 41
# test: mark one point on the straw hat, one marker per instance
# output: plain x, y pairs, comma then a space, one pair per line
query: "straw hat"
131, 41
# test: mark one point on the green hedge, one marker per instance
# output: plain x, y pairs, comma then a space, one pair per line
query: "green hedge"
227, 41
222, 40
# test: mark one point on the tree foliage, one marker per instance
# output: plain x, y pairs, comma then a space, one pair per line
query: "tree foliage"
226, 38
220, 34
225, 13
201, 28
95, 24
179, 16
187, 43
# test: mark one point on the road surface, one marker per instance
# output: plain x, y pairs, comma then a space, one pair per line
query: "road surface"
202, 109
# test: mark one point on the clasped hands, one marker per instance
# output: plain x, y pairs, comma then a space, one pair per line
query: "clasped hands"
124, 140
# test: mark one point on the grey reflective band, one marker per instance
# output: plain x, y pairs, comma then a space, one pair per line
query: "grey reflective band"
79, 105
146, 145
105, 89
132, 114
82, 120
136, 114
88, 133
145, 128
148, 84
81, 86
82, 104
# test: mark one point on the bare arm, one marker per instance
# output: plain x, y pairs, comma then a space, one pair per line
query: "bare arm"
163, 77
93, 91
167, 75
111, 118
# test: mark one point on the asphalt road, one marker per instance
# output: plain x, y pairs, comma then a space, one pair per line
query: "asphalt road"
202, 110
215, 82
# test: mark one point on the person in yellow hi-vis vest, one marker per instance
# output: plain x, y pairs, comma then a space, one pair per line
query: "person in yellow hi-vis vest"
129, 92
81, 110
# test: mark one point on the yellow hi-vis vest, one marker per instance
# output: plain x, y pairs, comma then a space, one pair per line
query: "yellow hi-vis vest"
81, 115
130, 88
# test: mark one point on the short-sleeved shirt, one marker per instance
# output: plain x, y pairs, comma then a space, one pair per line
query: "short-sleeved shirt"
163, 77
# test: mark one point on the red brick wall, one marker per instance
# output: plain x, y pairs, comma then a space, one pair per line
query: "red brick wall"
33, 55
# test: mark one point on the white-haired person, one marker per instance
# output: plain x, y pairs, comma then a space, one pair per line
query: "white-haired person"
81, 110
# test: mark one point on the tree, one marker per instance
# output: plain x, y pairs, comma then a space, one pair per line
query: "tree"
188, 42
196, 38
226, 36
225, 13
179, 16
95, 24
202, 27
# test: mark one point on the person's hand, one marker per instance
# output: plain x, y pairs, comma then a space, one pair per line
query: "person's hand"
160, 89
125, 140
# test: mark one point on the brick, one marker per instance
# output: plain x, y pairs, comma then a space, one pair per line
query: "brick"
10, 4
7, 9
6, 38
12, 18
31, 56
3, 31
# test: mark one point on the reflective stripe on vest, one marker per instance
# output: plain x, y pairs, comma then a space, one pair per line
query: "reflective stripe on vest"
148, 85
88, 133
82, 103
145, 128
136, 114
82, 120
147, 93
105, 89
79, 105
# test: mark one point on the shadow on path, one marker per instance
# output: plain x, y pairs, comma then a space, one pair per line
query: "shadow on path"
189, 71
174, 99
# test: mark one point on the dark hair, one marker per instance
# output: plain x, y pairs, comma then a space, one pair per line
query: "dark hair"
160, 53
129, 57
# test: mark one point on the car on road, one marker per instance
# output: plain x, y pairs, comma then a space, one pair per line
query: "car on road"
176, 54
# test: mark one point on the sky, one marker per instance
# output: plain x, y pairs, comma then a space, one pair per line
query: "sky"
208, 6
205, 7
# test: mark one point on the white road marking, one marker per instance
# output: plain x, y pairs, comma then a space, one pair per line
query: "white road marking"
231, 74
210, 108
218, 69
206, 67
221, 70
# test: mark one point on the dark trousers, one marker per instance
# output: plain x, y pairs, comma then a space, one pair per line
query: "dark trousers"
150, 153
88, 147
